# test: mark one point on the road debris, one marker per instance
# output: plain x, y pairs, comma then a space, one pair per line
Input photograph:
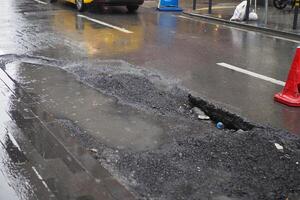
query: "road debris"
278, 146
220, 125
200, 114
93, 150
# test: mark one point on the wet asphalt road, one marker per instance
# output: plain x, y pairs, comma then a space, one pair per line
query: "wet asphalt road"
40, 159
183, 50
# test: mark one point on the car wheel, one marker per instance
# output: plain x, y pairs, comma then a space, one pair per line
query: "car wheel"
80, 5
279, 4
132, 9
53, 1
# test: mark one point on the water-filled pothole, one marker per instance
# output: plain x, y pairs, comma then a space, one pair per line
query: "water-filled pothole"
101, 116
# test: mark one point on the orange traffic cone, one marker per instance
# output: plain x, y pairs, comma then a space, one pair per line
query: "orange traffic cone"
290, 94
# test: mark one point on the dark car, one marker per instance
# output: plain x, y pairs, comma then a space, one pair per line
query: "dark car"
132, 5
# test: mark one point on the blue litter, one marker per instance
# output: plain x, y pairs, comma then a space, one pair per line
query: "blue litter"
220, 125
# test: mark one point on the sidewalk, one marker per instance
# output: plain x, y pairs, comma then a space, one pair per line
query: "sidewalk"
278, 20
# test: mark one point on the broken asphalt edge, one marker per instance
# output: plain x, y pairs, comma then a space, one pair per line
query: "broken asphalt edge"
219, 114
244, 26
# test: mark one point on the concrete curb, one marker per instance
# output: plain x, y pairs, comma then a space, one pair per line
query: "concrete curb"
264, 30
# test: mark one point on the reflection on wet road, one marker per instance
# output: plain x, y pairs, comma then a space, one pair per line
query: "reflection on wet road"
95, 39
17, 179
60, 93
40, 159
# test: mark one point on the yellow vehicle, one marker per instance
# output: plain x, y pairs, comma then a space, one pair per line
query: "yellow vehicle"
132, 5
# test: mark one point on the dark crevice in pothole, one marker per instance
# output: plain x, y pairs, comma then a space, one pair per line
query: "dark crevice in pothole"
217, 114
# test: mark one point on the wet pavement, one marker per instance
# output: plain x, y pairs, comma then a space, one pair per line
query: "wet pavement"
271, 18
55, 30
96, 133
60, 93
41, 160
91, 111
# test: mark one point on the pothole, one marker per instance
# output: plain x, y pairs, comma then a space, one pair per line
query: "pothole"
216, 114
118, 126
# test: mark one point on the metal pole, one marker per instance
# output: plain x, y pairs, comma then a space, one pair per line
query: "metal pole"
247, 10
194, 4
209, 6
295, 22
266, 11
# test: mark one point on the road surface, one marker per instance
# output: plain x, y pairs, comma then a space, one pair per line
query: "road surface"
95, 105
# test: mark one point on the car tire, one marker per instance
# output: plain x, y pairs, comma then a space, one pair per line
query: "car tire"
279, 4
80, 5
53, 1
132, 8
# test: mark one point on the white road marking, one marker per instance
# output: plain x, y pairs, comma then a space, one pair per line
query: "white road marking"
240, 29
37, 173
13, 140
41, 178
105, 24
286, 39
256, 75
41, 2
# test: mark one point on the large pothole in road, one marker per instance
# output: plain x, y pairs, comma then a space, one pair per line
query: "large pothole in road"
139, 126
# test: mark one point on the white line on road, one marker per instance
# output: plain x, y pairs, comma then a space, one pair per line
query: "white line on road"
37, 173
240, 29
41, 178
105, 24
41, 2
259, 76
13, 140
286, 39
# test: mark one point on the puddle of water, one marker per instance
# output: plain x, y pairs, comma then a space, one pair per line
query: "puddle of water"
99, 115
7, 191
34, 164
16, 179
98, 40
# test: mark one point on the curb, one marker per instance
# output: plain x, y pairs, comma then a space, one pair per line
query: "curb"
247, 26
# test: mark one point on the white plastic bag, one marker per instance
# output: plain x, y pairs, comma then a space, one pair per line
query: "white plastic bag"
239, 12
253, 16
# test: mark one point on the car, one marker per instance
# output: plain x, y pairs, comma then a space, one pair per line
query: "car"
132, 5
